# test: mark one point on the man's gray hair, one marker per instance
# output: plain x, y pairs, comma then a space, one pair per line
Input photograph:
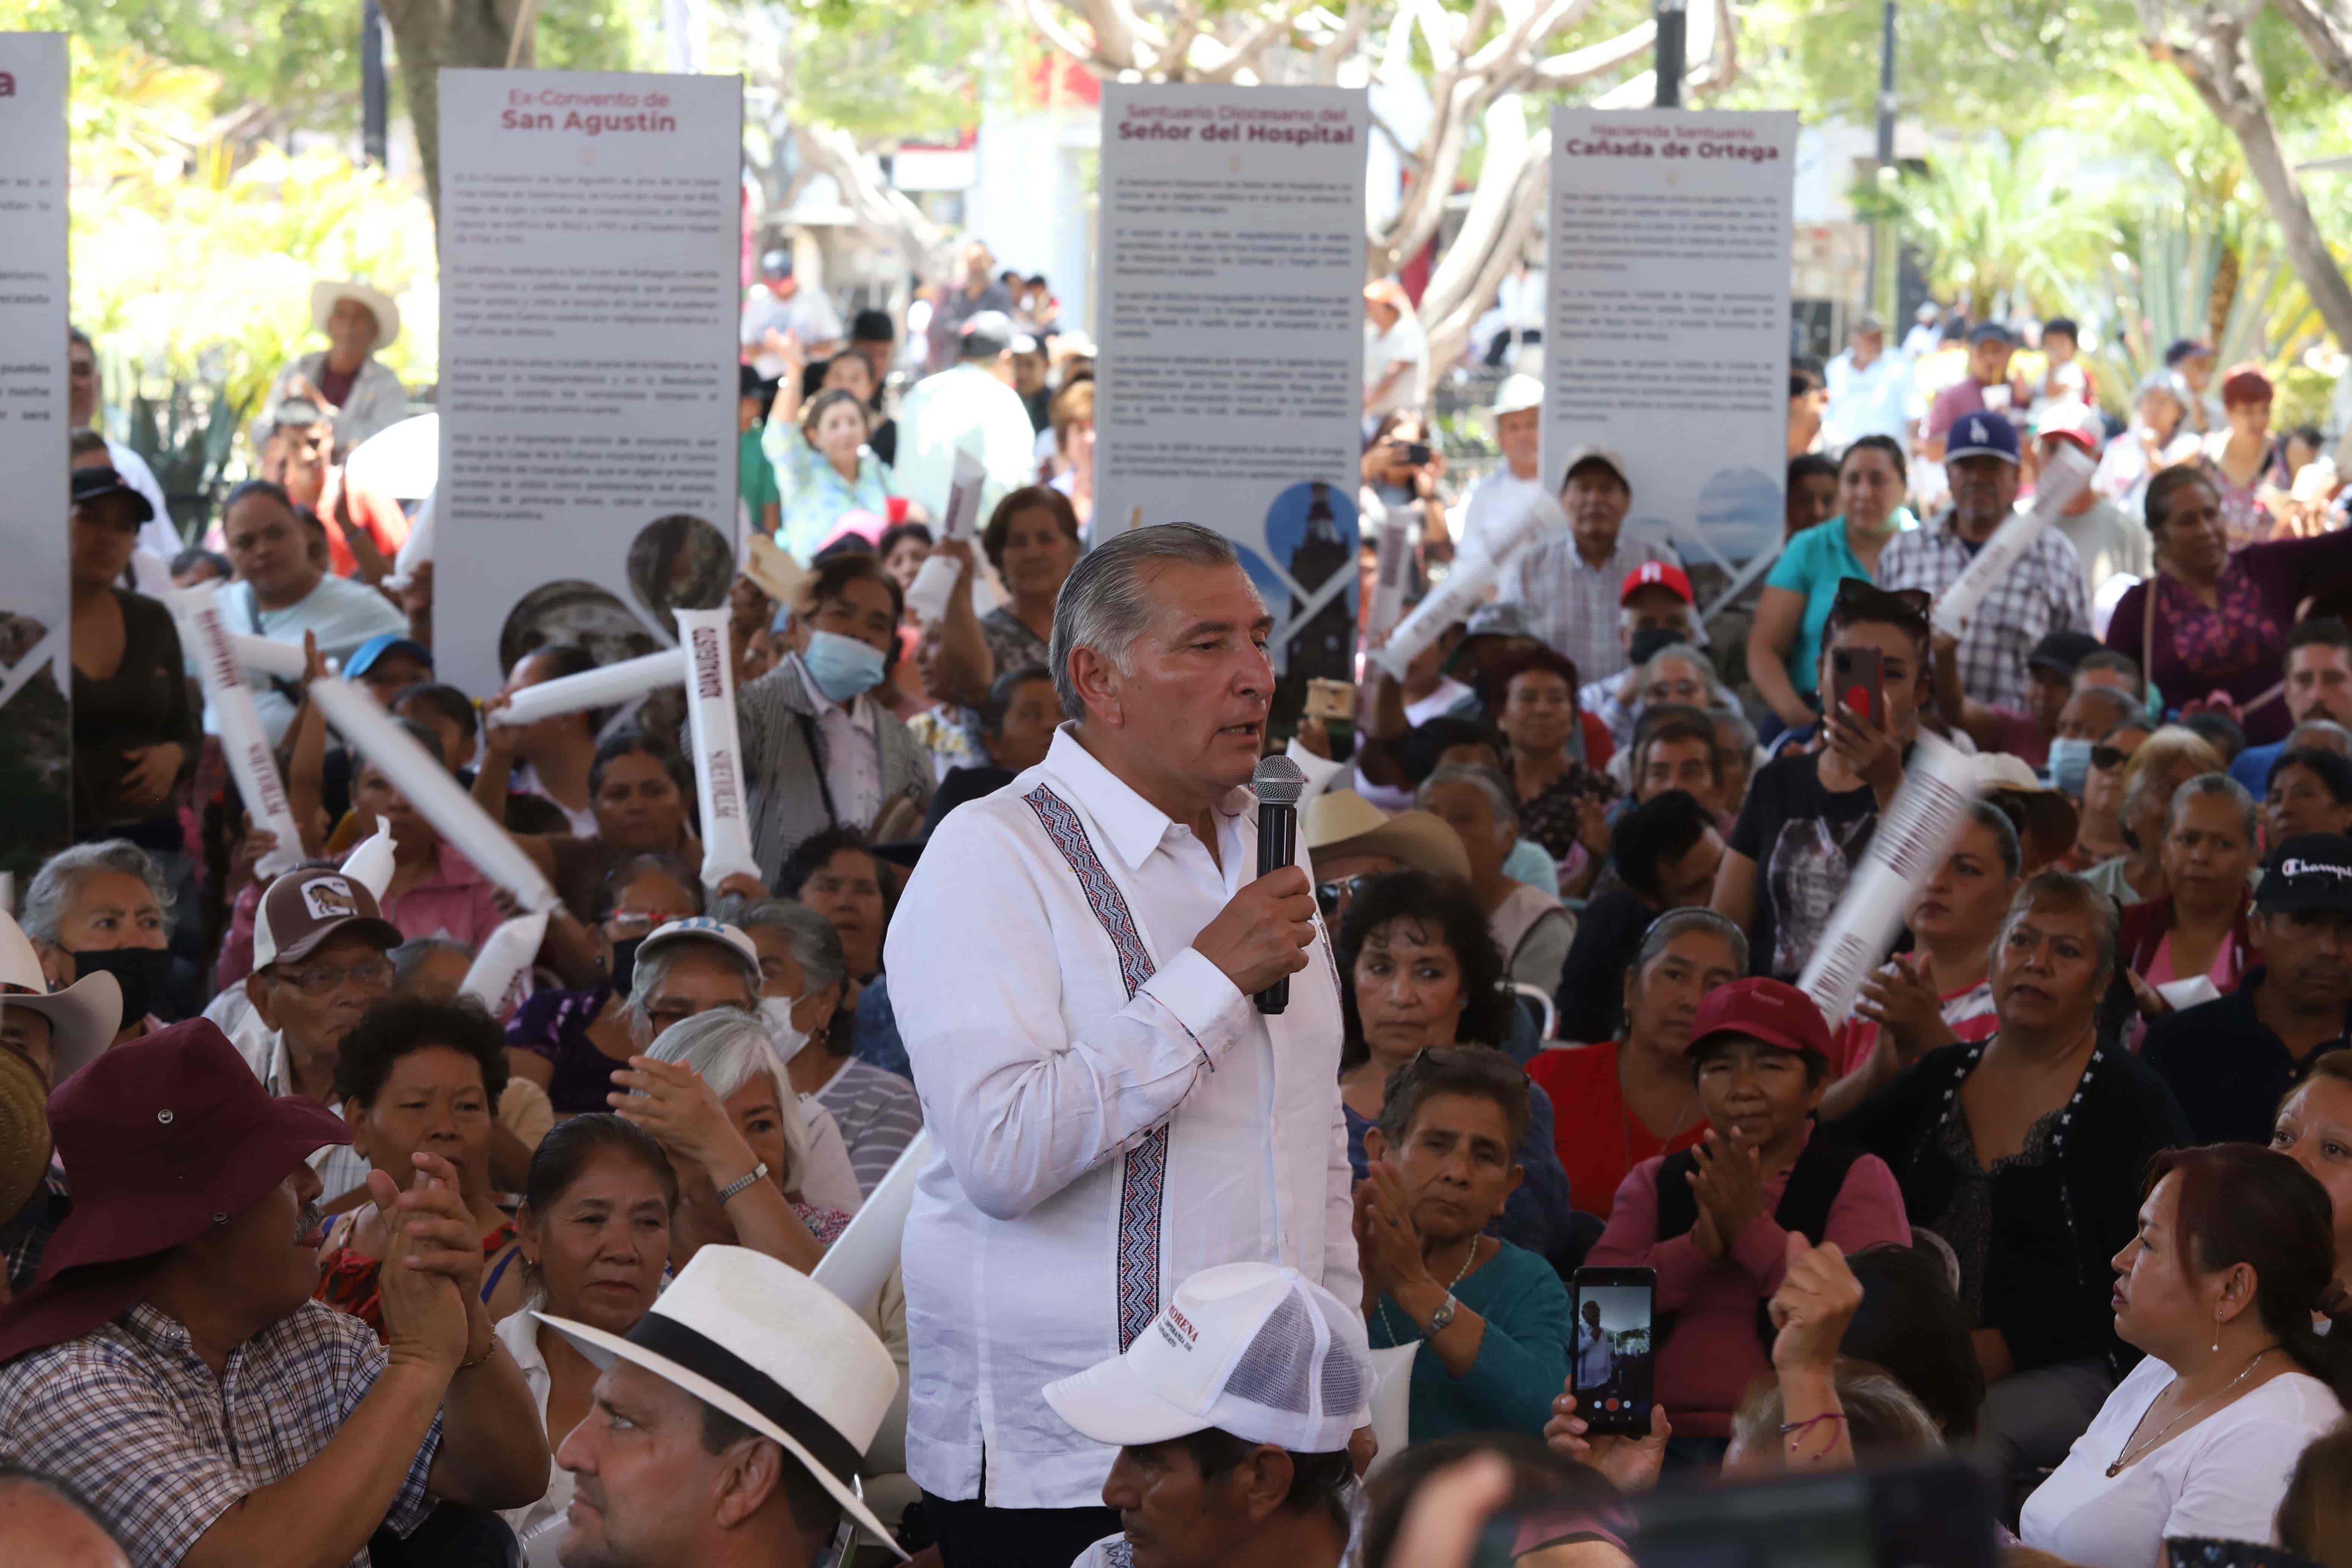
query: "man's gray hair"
1107, 604
1490, 783
816, 946
410, 956
2205, 787
2324, 733
60, 881
652, 972
1692, 657
1662, 930
1743, 733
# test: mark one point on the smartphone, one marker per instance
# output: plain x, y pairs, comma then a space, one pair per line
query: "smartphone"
1331, 699
1936, 1514
1610, 1354
1858, 681
1417, 454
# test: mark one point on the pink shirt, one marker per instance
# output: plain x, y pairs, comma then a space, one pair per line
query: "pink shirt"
1963, 396
1711, 1351
455, 902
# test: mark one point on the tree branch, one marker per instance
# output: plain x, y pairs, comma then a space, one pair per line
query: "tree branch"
1244, 55
1042, 17
2327, 28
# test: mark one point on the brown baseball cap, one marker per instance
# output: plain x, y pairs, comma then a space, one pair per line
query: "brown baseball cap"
308, 905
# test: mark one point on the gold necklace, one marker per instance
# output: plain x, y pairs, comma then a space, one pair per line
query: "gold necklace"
2127, 1456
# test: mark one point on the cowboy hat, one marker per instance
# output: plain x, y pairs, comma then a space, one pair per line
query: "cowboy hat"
83, 1017
1341, 822
326, 291
761, 1341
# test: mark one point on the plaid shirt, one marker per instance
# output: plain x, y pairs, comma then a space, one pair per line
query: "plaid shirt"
2040, 594
1573, 605
28, 1235
162, 1447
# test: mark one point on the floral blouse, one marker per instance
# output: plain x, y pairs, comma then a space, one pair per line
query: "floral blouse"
815, 495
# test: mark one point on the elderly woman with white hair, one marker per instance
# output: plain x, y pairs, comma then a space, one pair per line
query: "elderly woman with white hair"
103, 906
711, 1091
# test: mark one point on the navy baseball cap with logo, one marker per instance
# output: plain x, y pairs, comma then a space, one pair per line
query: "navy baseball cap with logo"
1981, 435
2309, 873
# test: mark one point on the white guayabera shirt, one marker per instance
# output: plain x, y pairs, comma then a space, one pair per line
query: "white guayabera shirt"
1111, 1114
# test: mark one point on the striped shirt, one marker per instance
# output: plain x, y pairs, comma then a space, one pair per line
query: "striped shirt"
879, 1115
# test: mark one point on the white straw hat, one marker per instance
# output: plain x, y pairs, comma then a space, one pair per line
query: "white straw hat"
83, 1017
327, 291
1253, 1349
759, 1339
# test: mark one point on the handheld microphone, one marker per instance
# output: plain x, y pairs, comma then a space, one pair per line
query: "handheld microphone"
1278, 782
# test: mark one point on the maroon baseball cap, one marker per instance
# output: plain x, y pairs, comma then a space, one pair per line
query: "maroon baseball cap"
308, 905
1772, 1011
161, 1138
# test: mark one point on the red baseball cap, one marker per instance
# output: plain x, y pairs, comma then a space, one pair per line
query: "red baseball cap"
1772, 1011
1656, 575
161, 1138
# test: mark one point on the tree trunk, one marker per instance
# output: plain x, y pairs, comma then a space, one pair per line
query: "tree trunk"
2218, 63
431, 34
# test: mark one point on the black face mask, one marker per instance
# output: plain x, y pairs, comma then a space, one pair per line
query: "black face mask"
144, 972
1651, 641
625, 964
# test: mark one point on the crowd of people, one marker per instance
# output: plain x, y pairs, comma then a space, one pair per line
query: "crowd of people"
319, 1252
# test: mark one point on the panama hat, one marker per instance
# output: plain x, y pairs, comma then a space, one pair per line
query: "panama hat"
762, 1342
326, 291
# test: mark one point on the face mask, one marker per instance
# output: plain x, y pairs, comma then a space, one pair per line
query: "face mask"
625, 964
144, 972
778, 1012
2070, 765
841, 666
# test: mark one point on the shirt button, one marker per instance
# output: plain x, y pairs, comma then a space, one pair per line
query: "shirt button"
164, 1117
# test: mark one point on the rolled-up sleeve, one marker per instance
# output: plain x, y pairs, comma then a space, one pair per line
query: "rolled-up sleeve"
1019, 1106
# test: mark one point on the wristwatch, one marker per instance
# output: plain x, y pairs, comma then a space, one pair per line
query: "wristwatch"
742, 1183
1443, 1316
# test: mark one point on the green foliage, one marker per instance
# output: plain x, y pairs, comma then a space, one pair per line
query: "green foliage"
186, 434
1992, 219
883, 70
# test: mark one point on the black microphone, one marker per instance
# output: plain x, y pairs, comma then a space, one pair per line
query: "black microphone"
1278, 782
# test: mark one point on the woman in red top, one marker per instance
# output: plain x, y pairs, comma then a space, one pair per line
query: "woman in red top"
418, 1077
1623, 1104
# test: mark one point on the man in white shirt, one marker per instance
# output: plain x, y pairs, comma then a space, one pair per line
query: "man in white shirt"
83, 386
1396, 353
1870, 390
283, 590
1515, 484
971, 405
1926, 333
777, 310
1112, 1113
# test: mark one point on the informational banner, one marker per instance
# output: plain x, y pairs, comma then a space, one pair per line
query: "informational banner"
1666, 334
35, 635
589, 235
1231, 335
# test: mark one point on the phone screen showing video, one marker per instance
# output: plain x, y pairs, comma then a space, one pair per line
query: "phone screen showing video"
1611, 1353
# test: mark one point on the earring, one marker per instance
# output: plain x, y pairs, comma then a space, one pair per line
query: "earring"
2216, 1334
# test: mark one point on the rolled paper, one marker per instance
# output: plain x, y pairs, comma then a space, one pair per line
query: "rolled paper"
1909, 842
428, 786
370, 862
1449, 602
862, 1257
1388, 592
1392, 1400
606, 686
498, 969
718, 750
245, 745
418, 548
278, 660
1319, 771
928, 596
2063, 474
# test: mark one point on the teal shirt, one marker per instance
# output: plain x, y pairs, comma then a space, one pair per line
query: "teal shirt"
1812, 565
1522, 1362
759, 480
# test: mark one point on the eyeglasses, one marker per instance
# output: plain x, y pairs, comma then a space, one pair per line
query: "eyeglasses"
1859, 598
373, 975
638, 921
1331, 895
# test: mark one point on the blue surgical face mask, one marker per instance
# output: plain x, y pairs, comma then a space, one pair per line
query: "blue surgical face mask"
841, 666
2069, 765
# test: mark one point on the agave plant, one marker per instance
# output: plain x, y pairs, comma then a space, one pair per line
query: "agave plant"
1991, 220
186, 435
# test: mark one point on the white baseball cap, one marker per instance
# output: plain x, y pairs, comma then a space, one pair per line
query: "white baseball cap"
700, 930
1517, 395
1253, 1349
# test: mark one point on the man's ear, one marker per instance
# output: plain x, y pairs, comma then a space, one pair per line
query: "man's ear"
1098, 683
1261, 1483
750, 1476
1376, 1145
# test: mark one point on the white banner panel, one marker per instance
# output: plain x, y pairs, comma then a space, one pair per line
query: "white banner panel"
1232, 336
36, 634
590, 227
1666, 334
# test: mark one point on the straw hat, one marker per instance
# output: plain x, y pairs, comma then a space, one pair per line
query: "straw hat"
326, 293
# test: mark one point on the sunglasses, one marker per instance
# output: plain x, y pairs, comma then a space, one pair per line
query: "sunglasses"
1329, 895
1858, 598
2105, 757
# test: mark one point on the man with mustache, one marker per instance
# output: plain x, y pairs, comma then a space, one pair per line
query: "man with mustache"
1108, 1104
168, 1364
